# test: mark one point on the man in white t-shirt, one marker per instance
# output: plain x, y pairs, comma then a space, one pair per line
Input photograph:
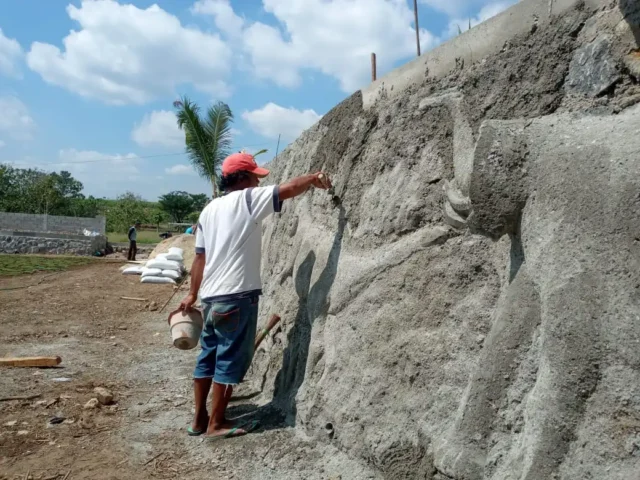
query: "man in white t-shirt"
226, 272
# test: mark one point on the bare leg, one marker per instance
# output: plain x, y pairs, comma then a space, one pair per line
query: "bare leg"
201, 388
218, 423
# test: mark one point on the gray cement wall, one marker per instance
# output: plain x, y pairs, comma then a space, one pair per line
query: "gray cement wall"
466, 305
26, 222
50, 244
471, 46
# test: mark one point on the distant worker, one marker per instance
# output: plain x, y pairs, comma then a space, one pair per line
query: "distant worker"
226, 273
191, 230
133, 246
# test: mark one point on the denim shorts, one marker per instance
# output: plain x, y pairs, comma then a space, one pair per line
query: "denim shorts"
227, 340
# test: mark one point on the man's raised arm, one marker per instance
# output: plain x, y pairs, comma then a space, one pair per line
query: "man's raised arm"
297, 186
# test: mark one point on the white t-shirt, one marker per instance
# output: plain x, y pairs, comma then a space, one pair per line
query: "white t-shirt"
229, 233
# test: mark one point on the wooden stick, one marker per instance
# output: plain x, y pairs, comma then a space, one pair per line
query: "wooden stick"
67, 475
154, 458
30, 361
175, 291
273, 321
24, 397
134, 298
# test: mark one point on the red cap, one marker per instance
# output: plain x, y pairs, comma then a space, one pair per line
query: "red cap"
238, 162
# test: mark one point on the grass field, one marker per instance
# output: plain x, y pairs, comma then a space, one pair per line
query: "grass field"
21, 264
144, 236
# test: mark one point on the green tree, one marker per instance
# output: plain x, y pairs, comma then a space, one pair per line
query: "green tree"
177, 205
208, 139
193, 217
157, 217
200, 200
125, 211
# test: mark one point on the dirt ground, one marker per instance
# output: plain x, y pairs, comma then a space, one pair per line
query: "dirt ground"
123, 346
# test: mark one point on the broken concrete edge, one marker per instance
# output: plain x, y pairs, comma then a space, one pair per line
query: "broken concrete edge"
485, 39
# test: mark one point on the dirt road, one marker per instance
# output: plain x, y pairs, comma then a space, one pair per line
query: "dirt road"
105, 341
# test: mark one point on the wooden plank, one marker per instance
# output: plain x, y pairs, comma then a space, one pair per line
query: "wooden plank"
24, 397
273, 321
30, 361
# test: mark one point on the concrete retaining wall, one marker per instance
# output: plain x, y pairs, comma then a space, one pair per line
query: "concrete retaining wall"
51, 244
26, 222
485, 39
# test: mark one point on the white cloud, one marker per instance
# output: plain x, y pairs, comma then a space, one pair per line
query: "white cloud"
158, 128
15, 120
90, 161
123, 54
272, 120
102, 174
488, 11
180, 169
224, 17
10, 54
335, 37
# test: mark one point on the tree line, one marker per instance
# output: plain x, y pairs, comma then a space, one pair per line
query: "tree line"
208, 140
28, 190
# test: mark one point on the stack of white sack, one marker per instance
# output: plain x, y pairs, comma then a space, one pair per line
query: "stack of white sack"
165, 268
133, 270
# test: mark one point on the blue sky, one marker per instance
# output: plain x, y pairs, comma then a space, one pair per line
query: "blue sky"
87, 86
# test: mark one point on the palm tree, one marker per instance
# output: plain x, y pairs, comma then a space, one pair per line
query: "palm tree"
208, 140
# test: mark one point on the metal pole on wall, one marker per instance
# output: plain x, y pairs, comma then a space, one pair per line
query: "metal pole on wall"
278, 146
373, 67
415, 13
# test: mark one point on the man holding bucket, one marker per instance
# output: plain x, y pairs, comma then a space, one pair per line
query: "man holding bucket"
226, 272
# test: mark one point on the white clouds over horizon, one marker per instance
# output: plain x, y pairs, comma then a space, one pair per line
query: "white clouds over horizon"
10, 55
272, 120
334, 37
158, 128
15, 120
180, 169
488, 11
123, 54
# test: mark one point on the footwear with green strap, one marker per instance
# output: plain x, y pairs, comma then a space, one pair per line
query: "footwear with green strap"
194, 433
245, 427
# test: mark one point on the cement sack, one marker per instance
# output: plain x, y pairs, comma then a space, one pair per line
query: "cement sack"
135, 270
151, 279
176, 254
163, 264
151, 272
170, 274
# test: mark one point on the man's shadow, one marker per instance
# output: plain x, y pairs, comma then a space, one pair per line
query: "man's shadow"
313, 304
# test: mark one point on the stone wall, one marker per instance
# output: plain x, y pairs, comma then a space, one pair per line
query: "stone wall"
51, 223
68, 245
466, 305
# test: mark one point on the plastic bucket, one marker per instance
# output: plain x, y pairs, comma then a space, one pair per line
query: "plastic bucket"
185, 328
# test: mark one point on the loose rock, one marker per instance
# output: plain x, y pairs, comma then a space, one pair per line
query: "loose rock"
91, 404
593, 69
104, 396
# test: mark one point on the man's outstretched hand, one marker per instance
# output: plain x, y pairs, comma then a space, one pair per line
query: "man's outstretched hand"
297, 186
322, 181
188, 302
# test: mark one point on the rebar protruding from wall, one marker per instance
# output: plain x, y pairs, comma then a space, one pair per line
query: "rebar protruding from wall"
373, 67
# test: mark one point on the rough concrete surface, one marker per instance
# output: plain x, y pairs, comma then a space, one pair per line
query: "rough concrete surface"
467, 303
